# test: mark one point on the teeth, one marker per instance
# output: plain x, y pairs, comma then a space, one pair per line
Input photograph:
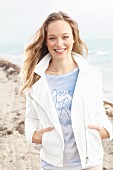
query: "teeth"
60, 50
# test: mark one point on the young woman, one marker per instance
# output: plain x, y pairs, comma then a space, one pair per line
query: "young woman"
64, 107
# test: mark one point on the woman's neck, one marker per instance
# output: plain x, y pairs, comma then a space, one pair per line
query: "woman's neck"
61, 67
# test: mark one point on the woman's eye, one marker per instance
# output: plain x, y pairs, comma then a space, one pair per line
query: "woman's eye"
52, 38
65, 37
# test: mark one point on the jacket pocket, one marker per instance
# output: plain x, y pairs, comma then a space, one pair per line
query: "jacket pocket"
94, 140
51, 143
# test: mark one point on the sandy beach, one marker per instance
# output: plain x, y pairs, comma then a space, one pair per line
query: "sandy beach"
15, 152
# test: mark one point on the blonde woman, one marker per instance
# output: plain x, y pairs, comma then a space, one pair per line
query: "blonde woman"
64, 107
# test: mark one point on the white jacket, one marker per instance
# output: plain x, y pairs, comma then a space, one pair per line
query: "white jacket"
87, 108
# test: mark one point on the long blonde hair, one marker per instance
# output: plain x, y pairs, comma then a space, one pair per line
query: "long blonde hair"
36, 50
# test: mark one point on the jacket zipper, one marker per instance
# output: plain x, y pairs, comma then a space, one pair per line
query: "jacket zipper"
86, 158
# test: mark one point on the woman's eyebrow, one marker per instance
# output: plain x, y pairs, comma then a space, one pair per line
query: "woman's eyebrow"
51, 35
55, 35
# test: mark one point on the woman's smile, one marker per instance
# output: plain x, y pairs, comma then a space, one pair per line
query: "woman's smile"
60, 51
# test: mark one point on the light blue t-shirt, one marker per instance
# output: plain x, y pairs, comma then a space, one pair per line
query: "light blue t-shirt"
62, 89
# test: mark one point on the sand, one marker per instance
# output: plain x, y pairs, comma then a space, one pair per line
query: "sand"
15, 152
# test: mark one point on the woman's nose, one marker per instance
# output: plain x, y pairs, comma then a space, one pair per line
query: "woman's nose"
59, 42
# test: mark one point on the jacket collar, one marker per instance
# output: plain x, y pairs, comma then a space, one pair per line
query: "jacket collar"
44, 63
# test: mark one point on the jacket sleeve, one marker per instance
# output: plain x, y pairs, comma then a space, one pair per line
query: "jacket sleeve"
31, 118
101, 116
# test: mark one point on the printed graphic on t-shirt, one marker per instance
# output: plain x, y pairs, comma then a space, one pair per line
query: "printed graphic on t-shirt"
63, 101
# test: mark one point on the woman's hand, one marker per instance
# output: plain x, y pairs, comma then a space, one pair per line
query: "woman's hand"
38, 134
102, 131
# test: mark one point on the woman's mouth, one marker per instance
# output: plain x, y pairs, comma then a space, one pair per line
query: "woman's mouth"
60, 50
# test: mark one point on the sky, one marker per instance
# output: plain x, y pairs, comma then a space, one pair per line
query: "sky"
19, 19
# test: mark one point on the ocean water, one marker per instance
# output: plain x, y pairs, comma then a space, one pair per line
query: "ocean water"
100, 54
12, 52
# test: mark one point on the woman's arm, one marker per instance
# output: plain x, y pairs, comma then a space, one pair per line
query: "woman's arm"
38, 134
103, 126
31, 119
102, 131
32, 131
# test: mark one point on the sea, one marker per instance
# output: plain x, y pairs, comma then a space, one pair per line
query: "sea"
100, 54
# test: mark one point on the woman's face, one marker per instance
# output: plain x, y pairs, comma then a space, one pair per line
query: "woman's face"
59, 39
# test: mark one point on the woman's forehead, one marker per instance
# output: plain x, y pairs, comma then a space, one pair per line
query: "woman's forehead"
59, 26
